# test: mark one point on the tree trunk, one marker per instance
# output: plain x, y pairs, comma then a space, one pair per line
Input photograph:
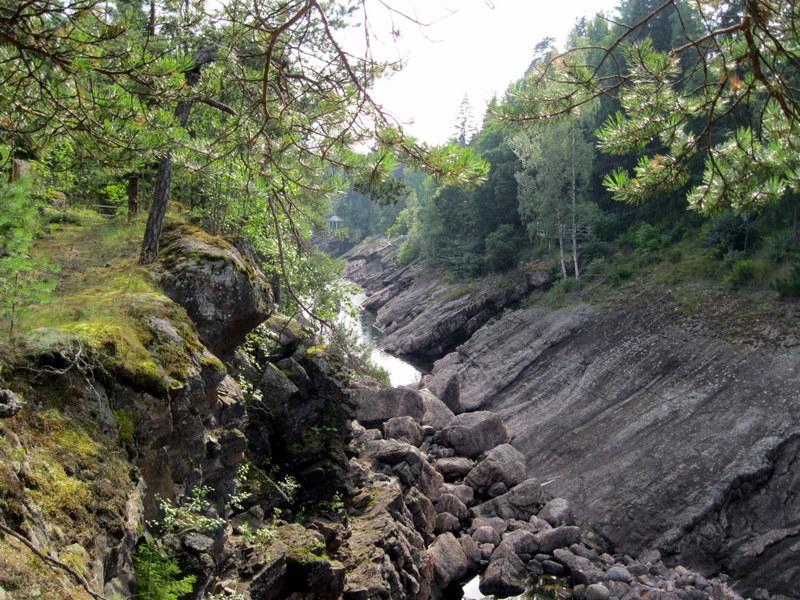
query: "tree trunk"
561, 250
574, 211
155, 220
133, 196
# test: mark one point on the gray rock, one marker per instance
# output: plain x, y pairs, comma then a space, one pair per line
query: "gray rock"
557, 512
570, 560
551, 567
523, 542
448, 503
472, 551
375, 407
449, 561
505, 574
10, 404
454, 468
619, 574
597, 591
498, 488
502, 464
445, 522
520, 502
463, 492
486, 535
436, 413
496, 523
404, 428
558, 537
472, 434
224, 293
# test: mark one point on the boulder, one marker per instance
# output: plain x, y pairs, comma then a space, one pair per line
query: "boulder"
376, 406
436, 414
557, 512
523, 542
463, 492
558, 537
486, 535
520, 502
454, 468
404, 428
597, 591
505, 574
224, 293
472, 551
449, 561
472, 434
448, 503
502, 464
445, 522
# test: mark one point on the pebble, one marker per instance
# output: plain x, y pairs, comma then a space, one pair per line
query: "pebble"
597, 591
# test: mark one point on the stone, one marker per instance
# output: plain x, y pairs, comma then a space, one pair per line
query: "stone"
505, 574
10, 404
619, 574
539, 524
496, 523
520, 502
376, 406
445, 522
472, 551
486, 535
496, 489
557, 512
596, 591
454, 468
570, 560
523, 542
502, 464
551, 567
449, 561
404, 428
436, 413
472, 434
451, 504
558, 537
223, 292
463, 492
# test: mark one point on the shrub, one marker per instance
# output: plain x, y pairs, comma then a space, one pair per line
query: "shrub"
158, 575
789, 287
741, 272
620, 273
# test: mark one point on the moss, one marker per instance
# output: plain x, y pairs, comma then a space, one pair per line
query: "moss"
213, 363
126, 425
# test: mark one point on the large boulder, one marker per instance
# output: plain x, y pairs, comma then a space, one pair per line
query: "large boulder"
224, 293
520, 502
436, 414
472, 434
502, 464
450, 563
376, 406
505, 574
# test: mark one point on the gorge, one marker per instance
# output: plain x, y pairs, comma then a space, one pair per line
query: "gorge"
663, 436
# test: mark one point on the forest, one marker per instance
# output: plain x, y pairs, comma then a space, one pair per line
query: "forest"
660, 133
664, 131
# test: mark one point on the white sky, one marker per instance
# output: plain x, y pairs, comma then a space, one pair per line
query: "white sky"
477, 50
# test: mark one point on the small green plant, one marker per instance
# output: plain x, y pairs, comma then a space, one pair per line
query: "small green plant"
126, 425
192, 515
742, 271
620, 273
289, 486
158, 574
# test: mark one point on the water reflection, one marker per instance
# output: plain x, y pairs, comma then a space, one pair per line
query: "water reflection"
400, 372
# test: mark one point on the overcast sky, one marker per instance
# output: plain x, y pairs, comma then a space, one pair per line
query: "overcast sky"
474, 47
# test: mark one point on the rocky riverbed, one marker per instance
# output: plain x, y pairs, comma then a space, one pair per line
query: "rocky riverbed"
668, 440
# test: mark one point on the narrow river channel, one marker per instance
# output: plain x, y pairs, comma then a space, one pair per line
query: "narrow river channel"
400, 372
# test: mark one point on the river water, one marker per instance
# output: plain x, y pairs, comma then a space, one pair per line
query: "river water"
400, 372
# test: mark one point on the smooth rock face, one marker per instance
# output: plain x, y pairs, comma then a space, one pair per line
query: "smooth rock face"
472, 434
659, 436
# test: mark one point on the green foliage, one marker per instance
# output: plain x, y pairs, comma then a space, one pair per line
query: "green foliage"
502, 247
23, 279
159, 575
191, 515
727, 232
126, 425
741, 272
789, 287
